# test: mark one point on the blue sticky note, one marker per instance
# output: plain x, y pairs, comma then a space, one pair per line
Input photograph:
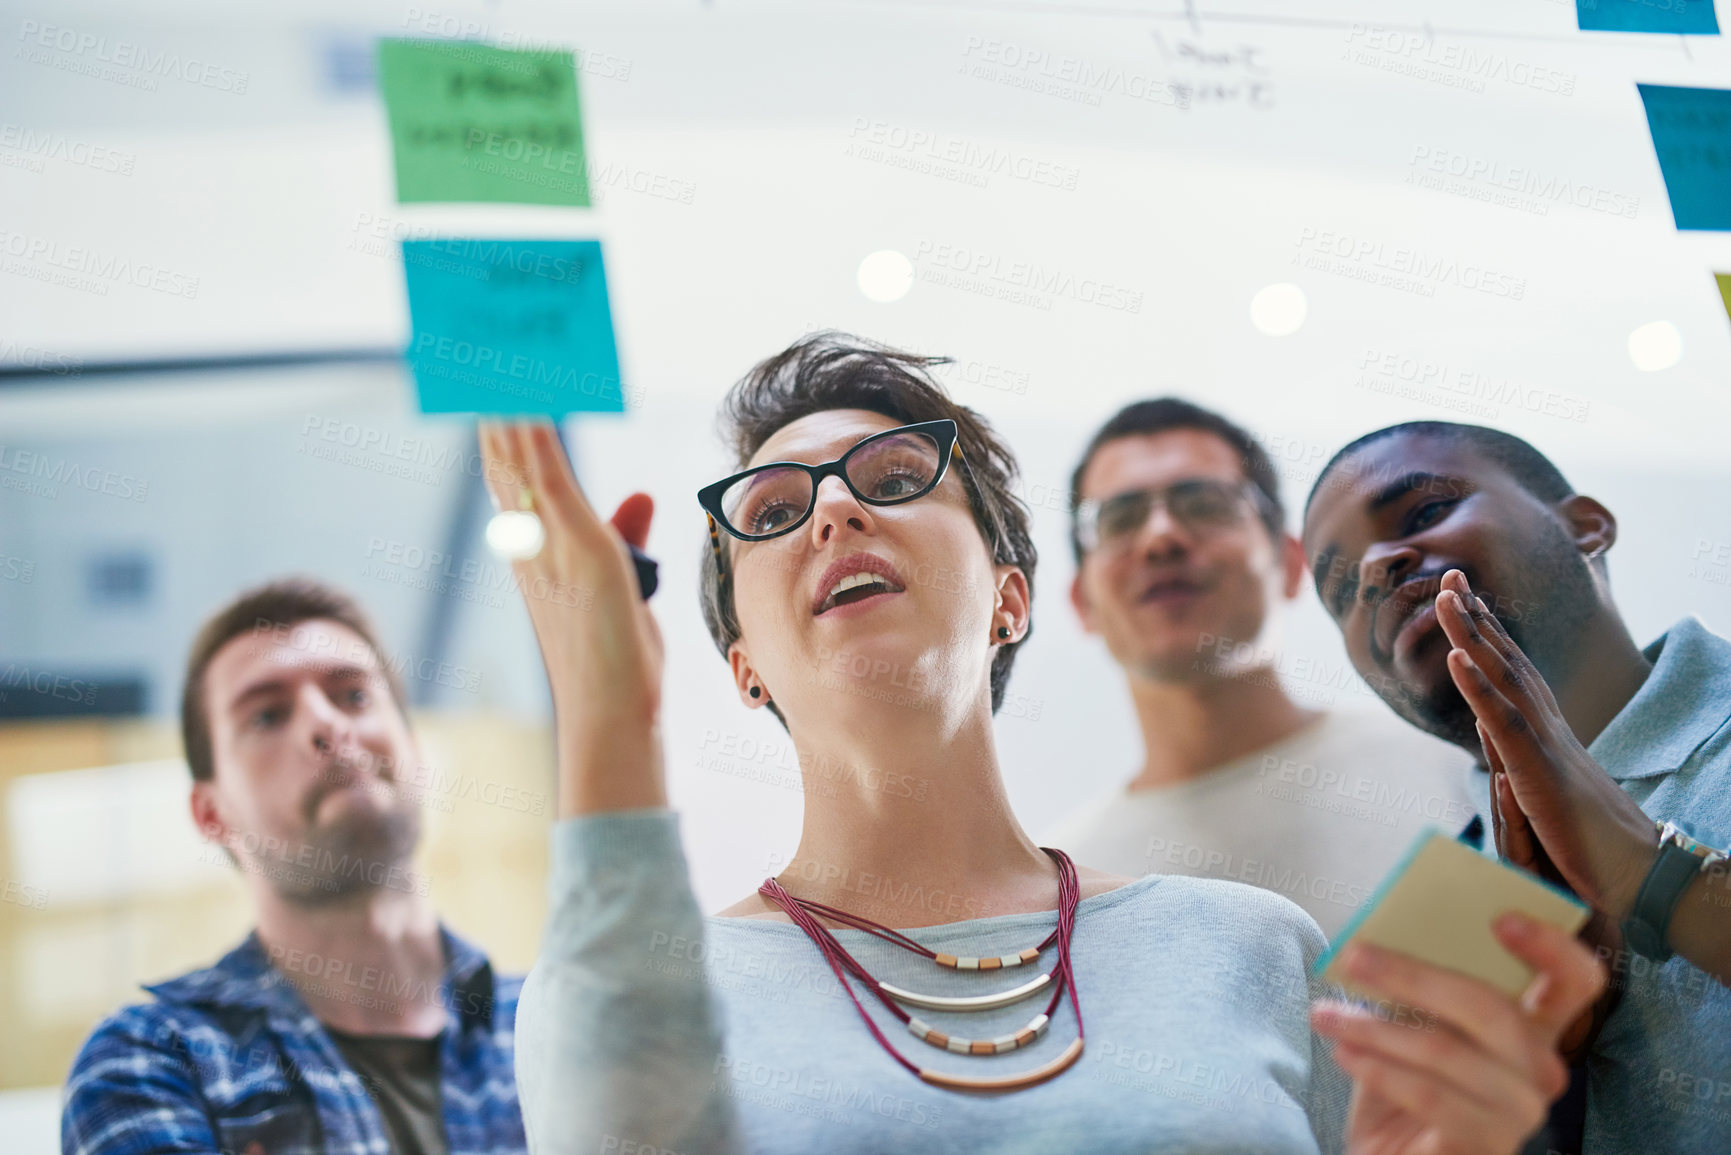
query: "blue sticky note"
1687, 16
511, 327
1692, 136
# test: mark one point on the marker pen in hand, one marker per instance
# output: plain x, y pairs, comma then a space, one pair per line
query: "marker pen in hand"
648, 576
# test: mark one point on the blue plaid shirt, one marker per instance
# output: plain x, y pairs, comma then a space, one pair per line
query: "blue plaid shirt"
230, 1060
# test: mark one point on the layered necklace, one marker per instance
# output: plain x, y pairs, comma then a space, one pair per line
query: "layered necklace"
1060, 980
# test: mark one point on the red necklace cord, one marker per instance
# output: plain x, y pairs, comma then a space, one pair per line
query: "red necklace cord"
836, 957
888, 935
843, 963
839, 959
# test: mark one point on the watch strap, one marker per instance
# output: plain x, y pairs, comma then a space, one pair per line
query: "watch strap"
1645, 930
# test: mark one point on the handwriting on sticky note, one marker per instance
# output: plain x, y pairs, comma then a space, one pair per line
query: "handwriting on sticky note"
511, 327
470, 122
1692, 138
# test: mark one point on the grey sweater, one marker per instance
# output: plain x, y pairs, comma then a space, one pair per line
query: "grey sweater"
647, 1029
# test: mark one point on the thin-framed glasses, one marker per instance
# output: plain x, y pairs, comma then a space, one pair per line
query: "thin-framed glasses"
1201, 505
888, 468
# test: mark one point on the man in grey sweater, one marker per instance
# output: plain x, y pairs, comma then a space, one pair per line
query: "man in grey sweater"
1185, 569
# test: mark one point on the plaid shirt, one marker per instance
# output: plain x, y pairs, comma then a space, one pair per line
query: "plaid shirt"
229, 1059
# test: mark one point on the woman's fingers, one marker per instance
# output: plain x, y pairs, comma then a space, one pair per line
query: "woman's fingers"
1569, 977
1456, 1067
1488, 1065
503, 471
1472, 1124
554, 483
1472, 1009
527, 467
632, 519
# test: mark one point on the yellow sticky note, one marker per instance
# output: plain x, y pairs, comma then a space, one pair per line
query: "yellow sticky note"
1438, 905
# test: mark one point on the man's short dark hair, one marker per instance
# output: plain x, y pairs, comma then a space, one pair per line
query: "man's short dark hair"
829, 370
1165, 414
275, 606
1529, 468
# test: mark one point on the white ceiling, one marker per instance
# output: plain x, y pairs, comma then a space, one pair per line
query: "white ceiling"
269, 198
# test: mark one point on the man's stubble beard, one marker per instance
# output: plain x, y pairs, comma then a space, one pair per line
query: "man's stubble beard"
332, 862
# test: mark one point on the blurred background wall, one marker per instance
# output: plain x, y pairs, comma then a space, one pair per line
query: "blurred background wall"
162, 448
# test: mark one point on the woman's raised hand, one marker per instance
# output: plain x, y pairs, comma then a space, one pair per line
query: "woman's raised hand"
598, 639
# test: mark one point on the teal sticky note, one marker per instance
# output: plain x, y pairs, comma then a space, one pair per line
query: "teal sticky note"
1691, 17
511, 327
470, 122
1692, 137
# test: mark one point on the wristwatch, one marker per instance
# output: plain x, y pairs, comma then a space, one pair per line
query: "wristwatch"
1680, 859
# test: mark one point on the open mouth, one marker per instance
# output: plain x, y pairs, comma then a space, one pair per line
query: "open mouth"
856, 579
857, 587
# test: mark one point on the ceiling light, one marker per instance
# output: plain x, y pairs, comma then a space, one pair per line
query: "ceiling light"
515, 534
885, 275
1279, 310
1655, 346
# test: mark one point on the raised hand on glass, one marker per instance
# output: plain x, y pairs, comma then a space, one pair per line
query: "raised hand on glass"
599, 642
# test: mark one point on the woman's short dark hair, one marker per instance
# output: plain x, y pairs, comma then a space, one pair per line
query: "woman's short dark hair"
829, 370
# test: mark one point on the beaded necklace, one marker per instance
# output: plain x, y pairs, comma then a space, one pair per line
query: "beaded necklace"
1061, 980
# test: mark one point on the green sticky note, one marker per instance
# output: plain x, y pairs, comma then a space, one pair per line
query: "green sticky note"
470, 122
1724, 280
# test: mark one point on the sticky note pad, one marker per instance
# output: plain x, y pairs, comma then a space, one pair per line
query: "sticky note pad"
1724, 280
1438, 905
1692, 136
1686, 16
511, 327
470, 122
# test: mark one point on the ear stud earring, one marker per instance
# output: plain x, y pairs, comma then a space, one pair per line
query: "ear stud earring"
756, 692
1003, 631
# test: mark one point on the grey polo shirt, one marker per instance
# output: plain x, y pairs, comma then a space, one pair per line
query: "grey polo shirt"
1659, 1076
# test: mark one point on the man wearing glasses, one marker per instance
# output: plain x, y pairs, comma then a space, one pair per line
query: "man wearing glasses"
1184, 569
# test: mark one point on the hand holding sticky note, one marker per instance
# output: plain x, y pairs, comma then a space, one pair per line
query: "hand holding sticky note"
1438, 906
470, 122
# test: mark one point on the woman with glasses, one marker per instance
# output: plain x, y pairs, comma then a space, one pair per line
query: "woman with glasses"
869, 579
